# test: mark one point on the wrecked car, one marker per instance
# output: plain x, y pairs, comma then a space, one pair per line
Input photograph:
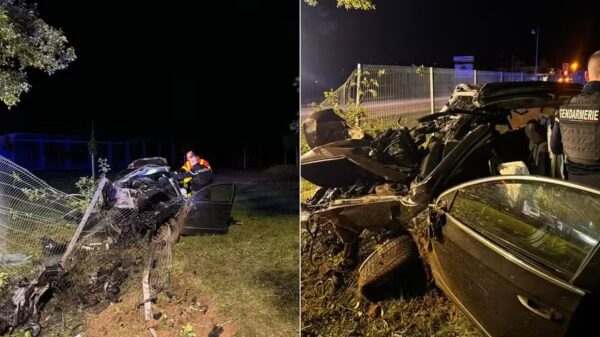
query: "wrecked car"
474, 203
147, 185
129, 221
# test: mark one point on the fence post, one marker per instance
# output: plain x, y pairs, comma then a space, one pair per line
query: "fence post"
110, 154
358, 71
501, 77
92, 150
475, 76
84, 219
431, 87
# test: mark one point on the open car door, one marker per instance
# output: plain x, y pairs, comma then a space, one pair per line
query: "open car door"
209, 210
509, 250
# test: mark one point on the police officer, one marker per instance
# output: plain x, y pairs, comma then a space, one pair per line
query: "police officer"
576, 132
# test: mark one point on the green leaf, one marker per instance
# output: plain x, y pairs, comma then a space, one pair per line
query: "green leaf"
27, 42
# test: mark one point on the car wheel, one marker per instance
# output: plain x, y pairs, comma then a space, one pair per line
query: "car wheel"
393, 269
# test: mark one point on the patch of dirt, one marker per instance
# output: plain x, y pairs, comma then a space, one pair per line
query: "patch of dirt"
174, 312
332, 306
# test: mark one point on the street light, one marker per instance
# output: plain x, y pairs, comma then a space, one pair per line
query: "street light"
536, 32
574, 66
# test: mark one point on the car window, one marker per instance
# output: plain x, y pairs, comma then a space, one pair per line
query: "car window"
551, 225
221, 193
214, 193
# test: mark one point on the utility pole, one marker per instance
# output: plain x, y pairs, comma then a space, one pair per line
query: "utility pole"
92, 149
536, 32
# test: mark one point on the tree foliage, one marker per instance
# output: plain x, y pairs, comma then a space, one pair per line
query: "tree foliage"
26, 43
364, 5
364, 84
367, 86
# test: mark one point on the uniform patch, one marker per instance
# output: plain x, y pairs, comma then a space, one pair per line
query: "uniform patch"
579, 114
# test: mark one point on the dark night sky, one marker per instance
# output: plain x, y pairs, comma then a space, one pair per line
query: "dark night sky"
431, 32
166, 70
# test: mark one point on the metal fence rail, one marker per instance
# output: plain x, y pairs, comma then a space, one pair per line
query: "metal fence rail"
402, 91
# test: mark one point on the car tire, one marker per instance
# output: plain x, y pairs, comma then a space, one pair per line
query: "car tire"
392, 270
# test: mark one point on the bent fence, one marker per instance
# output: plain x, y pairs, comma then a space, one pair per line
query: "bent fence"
42, 227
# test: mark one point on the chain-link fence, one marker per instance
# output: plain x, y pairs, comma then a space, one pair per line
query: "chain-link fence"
34, 217
389, 92
82, 248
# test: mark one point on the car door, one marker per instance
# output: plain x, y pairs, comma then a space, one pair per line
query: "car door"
509, 249
209, 210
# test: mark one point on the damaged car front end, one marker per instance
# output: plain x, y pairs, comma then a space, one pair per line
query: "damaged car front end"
87, 247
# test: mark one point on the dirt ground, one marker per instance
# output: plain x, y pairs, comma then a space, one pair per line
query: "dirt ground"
183, 309
333, 307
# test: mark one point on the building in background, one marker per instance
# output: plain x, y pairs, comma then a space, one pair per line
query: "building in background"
39, 151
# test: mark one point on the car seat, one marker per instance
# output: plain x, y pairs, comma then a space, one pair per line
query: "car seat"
433, 158
539, 158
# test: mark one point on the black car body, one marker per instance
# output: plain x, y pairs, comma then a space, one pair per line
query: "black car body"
147, 186
516, 252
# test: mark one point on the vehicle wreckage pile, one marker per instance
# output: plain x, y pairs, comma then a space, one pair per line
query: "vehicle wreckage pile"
52, 242
354, 196
389, 184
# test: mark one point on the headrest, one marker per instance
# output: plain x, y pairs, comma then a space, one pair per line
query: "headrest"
535, 132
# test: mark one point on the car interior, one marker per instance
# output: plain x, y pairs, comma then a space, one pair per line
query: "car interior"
523, 138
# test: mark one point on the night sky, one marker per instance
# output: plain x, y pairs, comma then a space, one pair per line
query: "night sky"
162, 70
431, 32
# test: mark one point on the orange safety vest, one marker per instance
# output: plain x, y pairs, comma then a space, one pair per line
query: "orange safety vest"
187, 167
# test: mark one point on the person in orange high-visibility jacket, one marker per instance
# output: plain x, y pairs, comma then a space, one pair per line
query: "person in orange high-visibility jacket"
195, 173
187, 167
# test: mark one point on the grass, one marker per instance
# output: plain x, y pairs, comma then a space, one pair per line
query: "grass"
252, 271
307, 189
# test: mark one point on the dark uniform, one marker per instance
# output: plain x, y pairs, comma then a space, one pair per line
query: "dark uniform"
577, 134
196, 177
